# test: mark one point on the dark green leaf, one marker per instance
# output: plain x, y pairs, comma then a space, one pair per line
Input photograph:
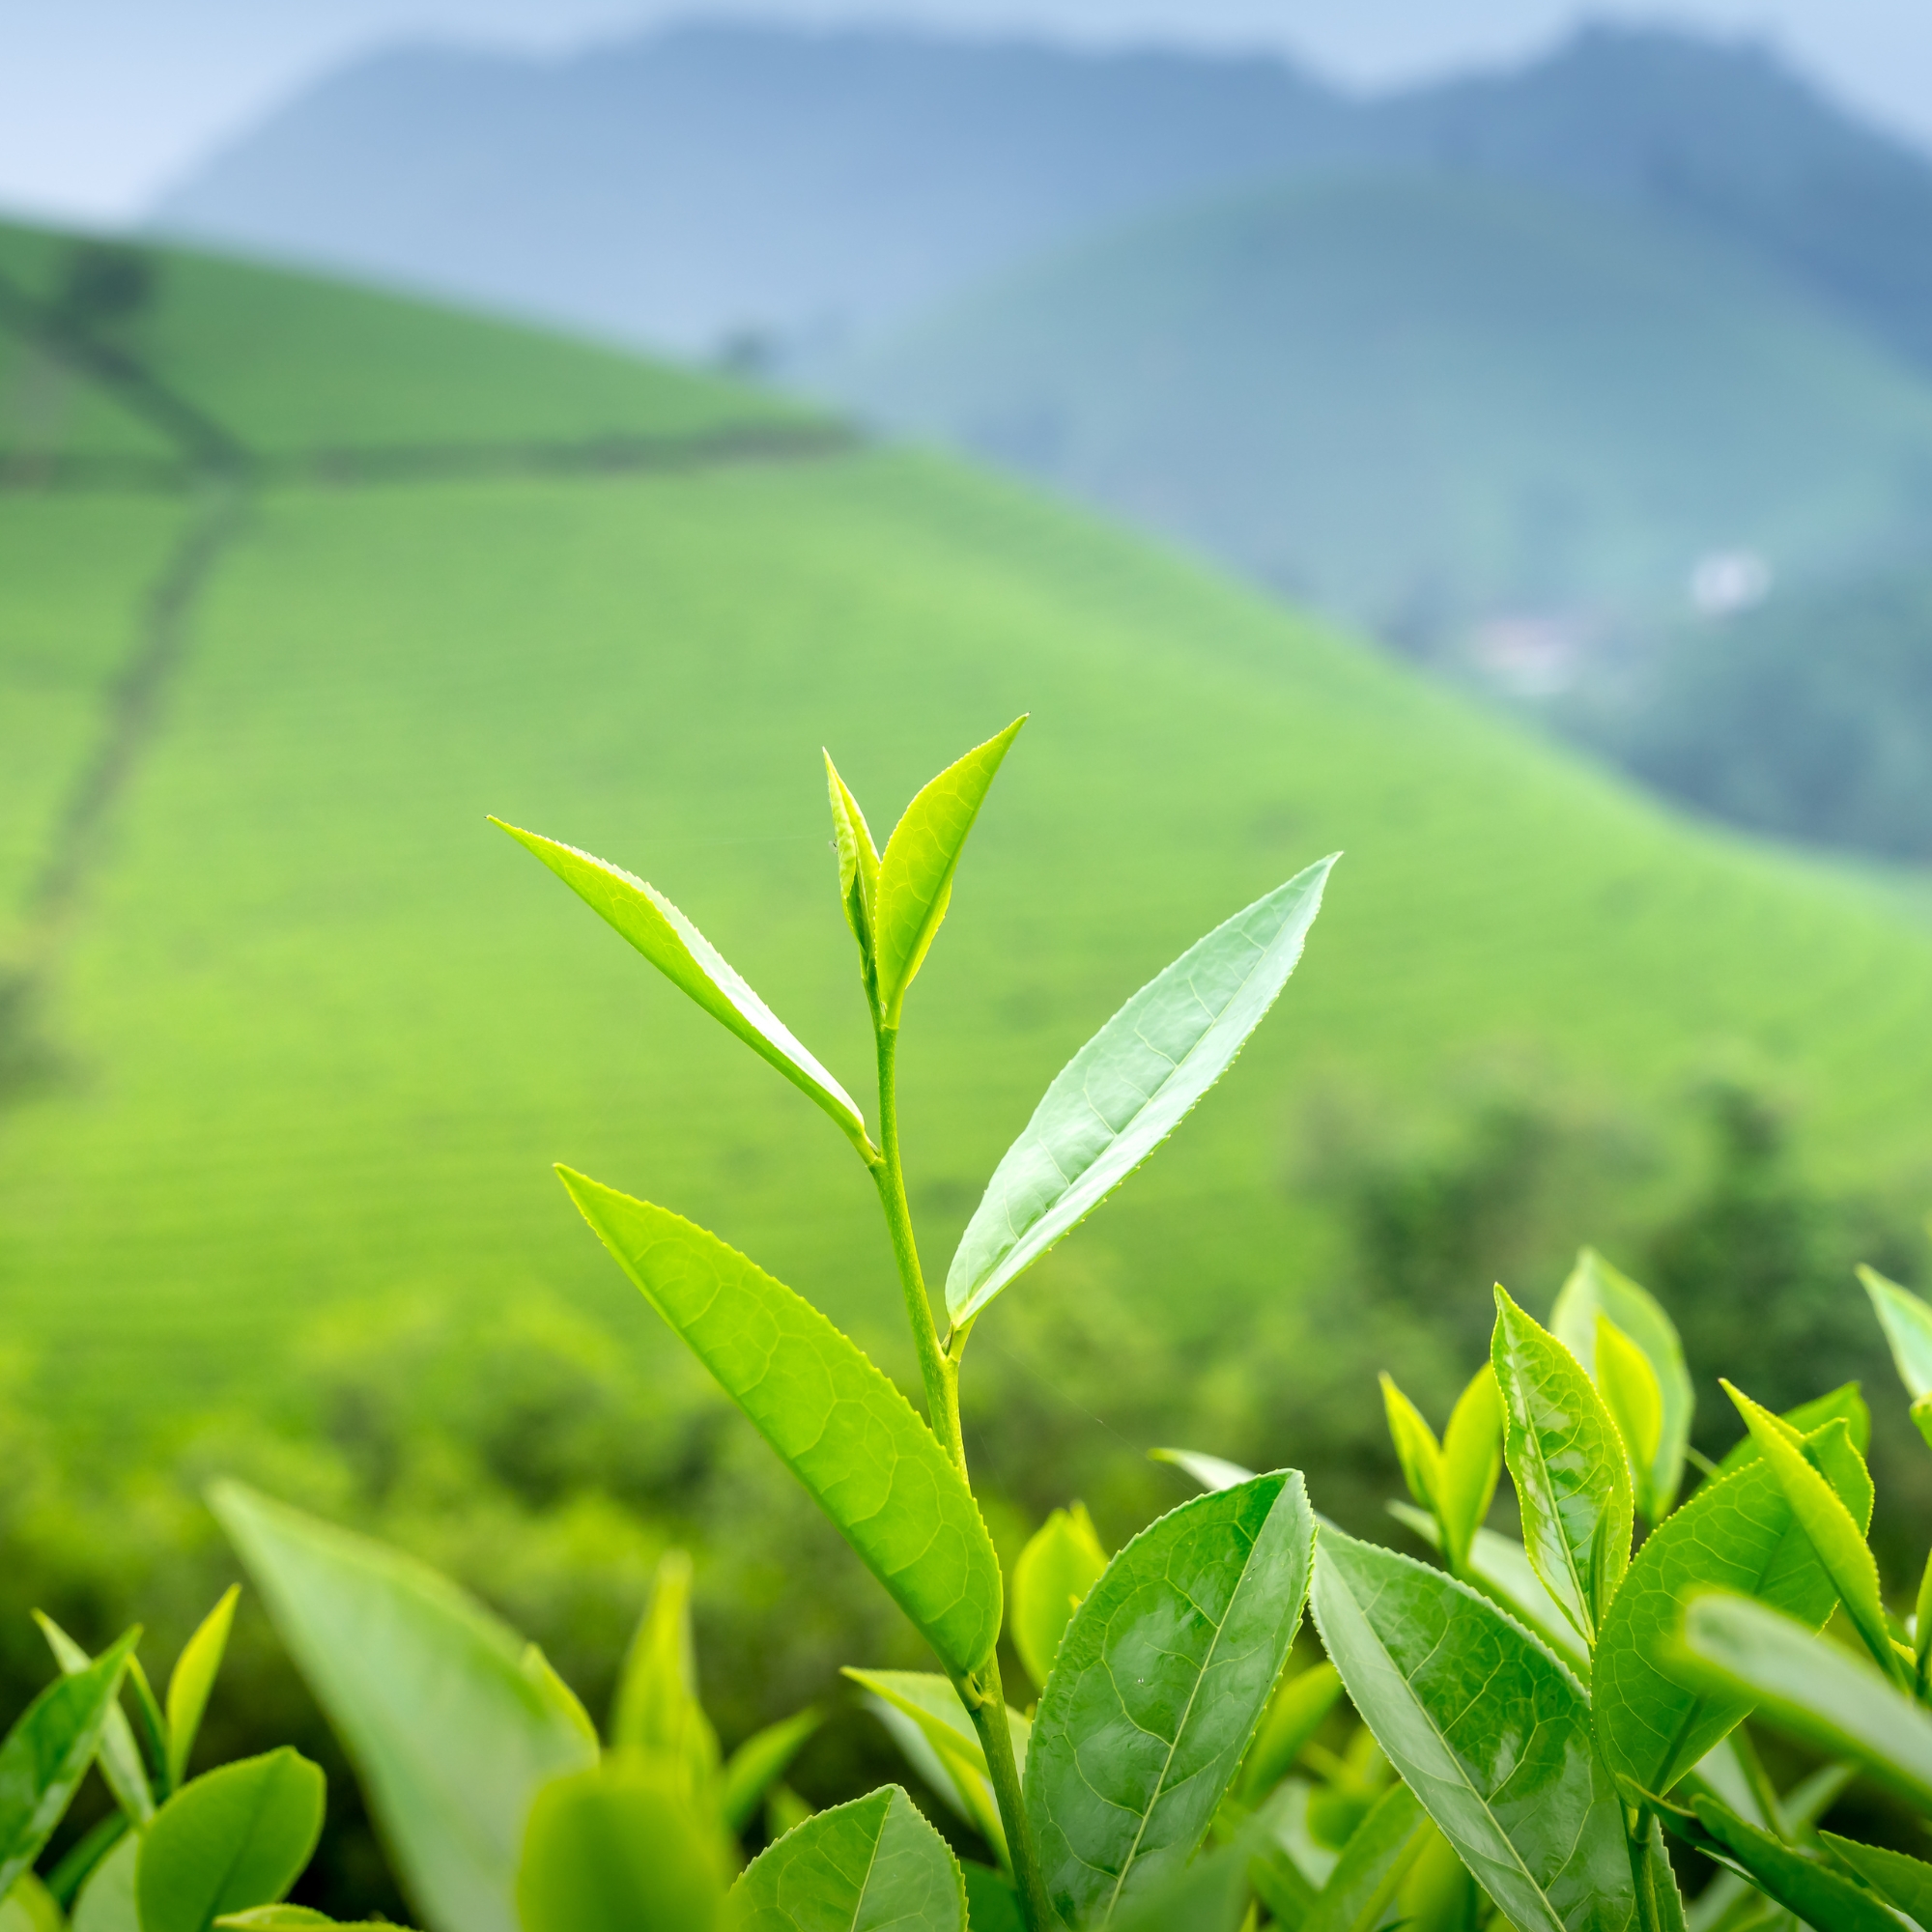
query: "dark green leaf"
1802, 1885
620, 1848
121, 1765
838, 1423
46, 1755
643, 916
1129, 1087
238, 1836
657, 1710
1162, 1680
1899, 1879
1295, 1714
874, 1863
450, 1721
760, 1762
1210, 1895
1372, 1865
1906, 1322
1060, 1563
194, 1674
921, 857
1488, 1729
992, 1905
1567, 1460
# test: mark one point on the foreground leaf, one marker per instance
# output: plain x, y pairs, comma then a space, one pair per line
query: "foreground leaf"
1846, 1404
620, 1848
193, 1679
645, 916
836, 1422
921, 857
1802, 1885
48, 1752
293, 1918
1062, 1560
1372, 1865
1488, 1729
448, 1723
241, 1835
1129, 1087
657, 1710
1899, 1879
106, 1901
1162, 1677
1499, 1567
760, 1762
874, 1863
120, 1756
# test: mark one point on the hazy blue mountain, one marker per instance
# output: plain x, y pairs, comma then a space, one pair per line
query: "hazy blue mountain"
704, 179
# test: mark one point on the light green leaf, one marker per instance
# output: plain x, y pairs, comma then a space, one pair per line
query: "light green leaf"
836, 1422
449, 1729
1295, 1714
1438, 1894
1212, 1472
1906, 1322
238, 1835
857, 867
121, 1765
1473, 1460
46, 1755
293, 1918
643, 916
1485, 1727
30, 1907
1416, 1448
1567, 1460
1754, 1657
874, 1863
620, 1848
1595, 1288
920, 858
1631, 1394
1129, 1087
1897, 1878
193, 1678
1210, 1895
106, 1901
1063, 1561
657, 1709
1372, 1865
1846, 1404
1817, 1895
1499, 1567
1162, 1678
760, 1762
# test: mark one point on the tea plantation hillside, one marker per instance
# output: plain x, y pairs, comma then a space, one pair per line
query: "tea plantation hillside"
320, 1029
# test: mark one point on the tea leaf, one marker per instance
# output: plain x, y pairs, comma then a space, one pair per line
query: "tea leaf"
293, 1918
657, 1709
106, 1901
992, 1905
1162, 1678
1372, 1865
1629, 1386
1818, 1895
1416, 1448
857, 867
121, 1765
238, 1835
1906, 1322
645, 916
1060, 1563
1210, 1895
1295, 1714
449, 1730
838, 1423
1129, 1087
760, 1762
1499, 1567
1485, 1727
193, 1678
1212, 1472
1846, 1404
1897, 1878
874, 1863
920, 858
1473, 1460
1567, 1460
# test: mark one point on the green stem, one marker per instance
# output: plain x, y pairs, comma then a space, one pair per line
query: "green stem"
986, 1701
1636, 1827
940, 1375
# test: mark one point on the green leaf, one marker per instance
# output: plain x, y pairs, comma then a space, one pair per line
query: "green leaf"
193, 1678
1499, 1567
760, 1762
1062, 1562
1906, 1322
1737, 1533
1162, 1678
106, 1901
1567, 1460
1372, 1865
1212, 1472
1846, 1404
1897, 1878
620, 1848
31, 1908
1656, 1874
1595, 1288
857, 867
293, 1918
836, 1422
874, 1863
1210, 1895
236, 1836
1416, 1448
992, 1905
920, 858
643, 916
1129, 1087
1631, 1394
1838, 1541
48, 1752
121, 1765
1756, 1657
1473, 1460
450, 1728
1485, 1727
1802, 1885
657, 1709
1295, 1714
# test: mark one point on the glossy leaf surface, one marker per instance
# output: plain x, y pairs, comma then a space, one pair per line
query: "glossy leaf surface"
120, 1756
657, 1709
620, 1848
1129, 1087
193, 1679
1906, 1322
760, 1762
1596, 1289
872, 1863
1567, 1463
645, 916
917, 867
450, 1729
1818, 1895
1896, 1877
842, 1428
1499, 1567
857, 863
1161, 1681
1372, 1865
1062, 1560
238, 1836
1846, 1404
1485, 1727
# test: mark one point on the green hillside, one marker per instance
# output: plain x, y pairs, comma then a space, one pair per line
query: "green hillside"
1422, 402
324, 1030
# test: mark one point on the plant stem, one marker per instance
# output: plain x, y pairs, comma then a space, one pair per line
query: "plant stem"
1636, 1827
940, 1375
986, 1701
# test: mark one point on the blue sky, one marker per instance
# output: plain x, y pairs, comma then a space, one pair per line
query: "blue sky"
102, 102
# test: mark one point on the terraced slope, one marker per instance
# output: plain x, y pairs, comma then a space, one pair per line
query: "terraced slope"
325, 1029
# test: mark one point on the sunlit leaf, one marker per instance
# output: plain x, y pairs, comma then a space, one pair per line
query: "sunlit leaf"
858, 864
193, 1679
842, 1428
238, 1835
121, 1765
1416, 1448
1129, 1087
874, 1863
295, 1918
1063, 1561
657, 1710
1295, 1714
106, 1901
1212, 1472
760, 1762
30, 1907
1499, 1567
1906, 1322
1846, 1404
1472, 1461
1631, 1394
